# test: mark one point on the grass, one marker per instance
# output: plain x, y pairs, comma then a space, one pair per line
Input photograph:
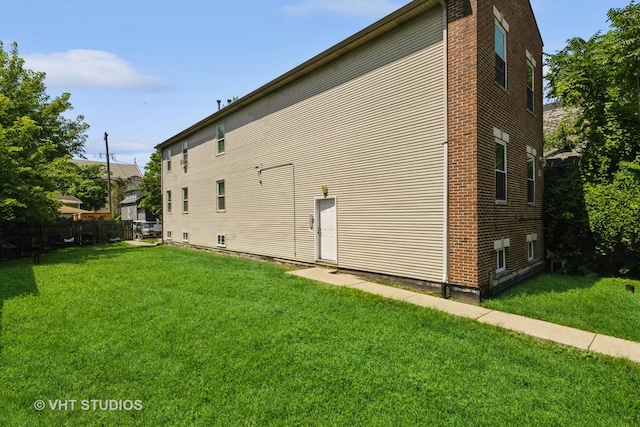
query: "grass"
599, 305
204, 340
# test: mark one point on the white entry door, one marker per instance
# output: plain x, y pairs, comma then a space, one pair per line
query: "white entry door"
327, 238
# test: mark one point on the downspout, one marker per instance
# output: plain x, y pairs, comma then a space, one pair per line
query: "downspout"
445, 233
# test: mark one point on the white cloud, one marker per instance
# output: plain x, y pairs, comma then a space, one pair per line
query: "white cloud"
90, 68
348, 7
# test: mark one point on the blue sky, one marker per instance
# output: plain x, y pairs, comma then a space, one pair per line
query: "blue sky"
144, 70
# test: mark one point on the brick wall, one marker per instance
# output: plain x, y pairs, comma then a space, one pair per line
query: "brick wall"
477, 106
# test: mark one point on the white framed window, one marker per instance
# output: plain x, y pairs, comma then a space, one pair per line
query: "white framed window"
501, 28
168, 201
531, 246
185, 199
531, 82
221, 204
168, 157
501, 262
530, 86
185, 155
168, 234
220, 134
501, 140
531, 179
501, 55
185, 236
500, 246
221, 240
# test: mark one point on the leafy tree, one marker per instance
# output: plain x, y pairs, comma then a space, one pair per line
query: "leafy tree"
34, 134
151, 184
600, 78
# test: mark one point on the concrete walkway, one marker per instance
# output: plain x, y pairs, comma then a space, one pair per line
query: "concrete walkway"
584, 340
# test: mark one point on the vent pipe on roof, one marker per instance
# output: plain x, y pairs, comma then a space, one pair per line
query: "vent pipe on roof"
219, 102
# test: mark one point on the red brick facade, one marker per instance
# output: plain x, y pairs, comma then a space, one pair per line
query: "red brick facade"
478, 110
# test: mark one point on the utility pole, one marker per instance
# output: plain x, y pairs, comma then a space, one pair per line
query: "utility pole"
106, 143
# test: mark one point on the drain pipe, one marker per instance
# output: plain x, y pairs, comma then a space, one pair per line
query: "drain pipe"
445, 233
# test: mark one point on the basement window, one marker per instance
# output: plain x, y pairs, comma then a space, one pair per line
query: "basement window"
531, 246
185, 236
168, 234
500, 246
221, 240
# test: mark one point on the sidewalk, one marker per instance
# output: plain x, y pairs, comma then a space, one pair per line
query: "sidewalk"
583, 340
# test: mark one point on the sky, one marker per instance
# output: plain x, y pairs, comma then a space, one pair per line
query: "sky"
142, 70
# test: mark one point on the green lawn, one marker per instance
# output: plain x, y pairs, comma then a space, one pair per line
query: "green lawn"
200, 339
599, 305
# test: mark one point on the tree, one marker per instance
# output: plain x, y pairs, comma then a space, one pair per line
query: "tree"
151, 184
600, 78
33, 136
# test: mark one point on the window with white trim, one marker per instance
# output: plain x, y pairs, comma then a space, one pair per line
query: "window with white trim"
185, 236
530, 85
185, 199
221, 197
220, 136
531, 246
501, 28
185, 155
168, 234
221, 240
501, 140
500, 246
168, 157
501, 55
531, 179
168, 201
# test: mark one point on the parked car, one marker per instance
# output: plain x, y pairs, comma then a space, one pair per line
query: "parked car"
144, 230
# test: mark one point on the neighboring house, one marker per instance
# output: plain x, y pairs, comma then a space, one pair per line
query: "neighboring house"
411, 149
130, 206
70, 206
129, 174
553, 115
123, 171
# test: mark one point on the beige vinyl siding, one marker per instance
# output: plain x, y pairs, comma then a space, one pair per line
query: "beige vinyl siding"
369, 125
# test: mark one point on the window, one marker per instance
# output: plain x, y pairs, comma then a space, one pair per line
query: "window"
531, 246
530, 77
168, 234
168, 154
185, 199
169, 201
500, 246
222, 240
185, 236
531, 179
501, 171
500, 260
501, 55
221, 205
220, 139
185, 155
